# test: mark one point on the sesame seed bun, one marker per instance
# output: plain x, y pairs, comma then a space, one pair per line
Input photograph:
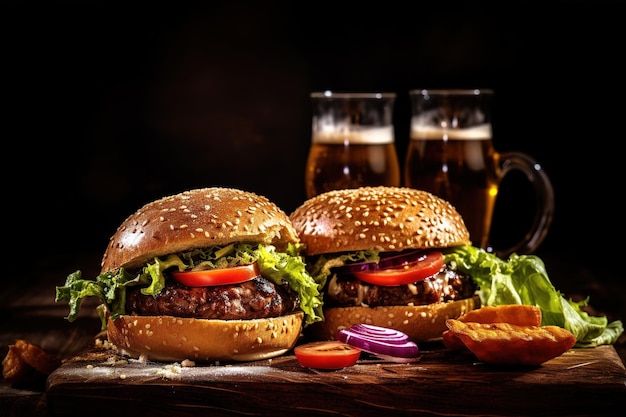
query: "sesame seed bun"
194, 219
388, 219
200, 218
166, 338
420, 323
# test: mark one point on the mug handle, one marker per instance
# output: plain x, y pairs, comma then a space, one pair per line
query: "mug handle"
544, 193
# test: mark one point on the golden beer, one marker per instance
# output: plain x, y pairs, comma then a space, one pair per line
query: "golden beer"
451, 154
461, 166
351, 160
352, 142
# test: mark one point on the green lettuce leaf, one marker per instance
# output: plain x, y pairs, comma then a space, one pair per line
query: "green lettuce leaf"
290, 268
523, 279
110, 287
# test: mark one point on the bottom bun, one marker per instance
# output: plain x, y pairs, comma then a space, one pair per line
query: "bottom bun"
167, 338
421, 323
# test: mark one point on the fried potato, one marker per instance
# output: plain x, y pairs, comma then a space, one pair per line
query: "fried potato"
36, 357
27, 364
518, 314
452, 341
13, 367
511, 344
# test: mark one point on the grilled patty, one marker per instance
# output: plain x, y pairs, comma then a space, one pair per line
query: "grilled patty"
345, 290
257, 298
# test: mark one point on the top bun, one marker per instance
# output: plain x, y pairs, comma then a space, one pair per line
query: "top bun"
385, 218
195, 219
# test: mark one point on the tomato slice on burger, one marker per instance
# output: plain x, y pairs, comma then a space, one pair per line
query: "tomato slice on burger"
221, 276
423, 268
330, 354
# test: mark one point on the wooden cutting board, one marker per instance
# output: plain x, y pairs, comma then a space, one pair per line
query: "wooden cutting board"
443, 383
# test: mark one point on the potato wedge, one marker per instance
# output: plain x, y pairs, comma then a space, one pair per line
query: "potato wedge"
518, 314
521, 315
452, 341
13, 367
26, 364
510, 344
36, 357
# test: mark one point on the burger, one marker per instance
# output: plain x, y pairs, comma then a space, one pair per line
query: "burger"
379, 255
211, 274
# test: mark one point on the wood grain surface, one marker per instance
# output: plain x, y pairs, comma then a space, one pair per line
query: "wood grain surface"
581, 382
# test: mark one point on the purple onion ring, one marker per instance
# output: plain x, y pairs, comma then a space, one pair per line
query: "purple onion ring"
383, 342
390, 261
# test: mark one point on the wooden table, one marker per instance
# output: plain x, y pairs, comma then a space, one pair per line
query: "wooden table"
580, 382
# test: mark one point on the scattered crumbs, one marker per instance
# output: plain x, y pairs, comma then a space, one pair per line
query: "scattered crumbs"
89, 366
188, 363
114, 361
169, 371
143, 359
104, 343
123, 376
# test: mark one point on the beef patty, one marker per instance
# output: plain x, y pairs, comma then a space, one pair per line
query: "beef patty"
447, 285
257, 298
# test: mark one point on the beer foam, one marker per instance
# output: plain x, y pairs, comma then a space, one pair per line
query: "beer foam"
359, 136
480, 132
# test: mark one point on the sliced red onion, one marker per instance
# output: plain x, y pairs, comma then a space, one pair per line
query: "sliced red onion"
386, 343
389, 261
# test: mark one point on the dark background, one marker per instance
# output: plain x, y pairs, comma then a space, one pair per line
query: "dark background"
107, 106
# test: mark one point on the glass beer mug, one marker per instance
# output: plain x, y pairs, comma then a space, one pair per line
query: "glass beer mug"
451, 154
352, 142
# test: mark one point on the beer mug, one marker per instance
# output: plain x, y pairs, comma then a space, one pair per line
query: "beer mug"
451, 154
352, 142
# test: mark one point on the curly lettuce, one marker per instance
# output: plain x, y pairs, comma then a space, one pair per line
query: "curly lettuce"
110, 287
523, 279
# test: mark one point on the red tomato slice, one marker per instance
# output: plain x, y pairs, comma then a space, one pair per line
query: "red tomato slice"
330, 354
425, 267
222, 276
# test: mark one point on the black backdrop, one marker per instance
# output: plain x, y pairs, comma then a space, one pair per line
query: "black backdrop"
107, 106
